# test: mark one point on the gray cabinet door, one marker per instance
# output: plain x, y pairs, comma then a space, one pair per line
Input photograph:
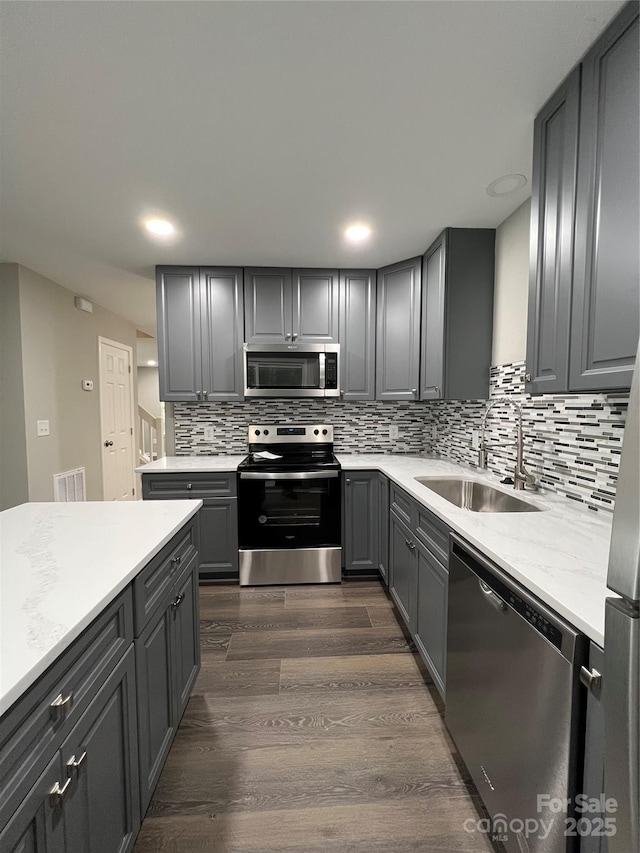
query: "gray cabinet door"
100, 755
398, 331
606, 297
357, 334
267, 306
186, 636
156, 712
402, 566
383, 486
361, 502
221, 311
431, 614
219, 539
433, 329
593, 780
315, 306
37, 827
179, 333
555, 152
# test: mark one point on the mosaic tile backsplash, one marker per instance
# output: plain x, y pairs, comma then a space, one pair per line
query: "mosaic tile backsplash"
572, 443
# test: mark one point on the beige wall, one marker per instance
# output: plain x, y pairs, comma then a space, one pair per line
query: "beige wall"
59, 349
14, 487
149, 390
511, 287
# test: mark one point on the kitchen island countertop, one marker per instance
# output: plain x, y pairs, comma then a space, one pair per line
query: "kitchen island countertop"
61, 564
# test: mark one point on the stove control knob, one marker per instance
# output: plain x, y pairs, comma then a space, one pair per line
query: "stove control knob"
266, 432
316, 432
324, 431
257, 432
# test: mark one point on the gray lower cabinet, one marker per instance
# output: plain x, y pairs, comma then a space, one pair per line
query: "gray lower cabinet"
431, 614
402, 570
361, 518
218, 528
593, 778
200, 333
584, 298
37, 827
283, 305
167, 663
357, 334
398, 331
457, 315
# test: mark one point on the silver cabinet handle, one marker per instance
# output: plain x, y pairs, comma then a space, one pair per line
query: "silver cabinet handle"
591, 679
412, 546
437, 389
75, 765
294, 336
348, 482
177, 560
527, 377
414, 391
287, 336
61, 706
58, 794
177, 601
189, 485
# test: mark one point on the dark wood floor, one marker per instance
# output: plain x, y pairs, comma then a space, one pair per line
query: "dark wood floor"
310, 730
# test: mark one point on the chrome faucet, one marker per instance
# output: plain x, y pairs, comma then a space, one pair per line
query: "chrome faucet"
521, 476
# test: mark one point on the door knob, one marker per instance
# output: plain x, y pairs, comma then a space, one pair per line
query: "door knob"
108, 444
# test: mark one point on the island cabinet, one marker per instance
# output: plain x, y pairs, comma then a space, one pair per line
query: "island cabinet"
398, 331
218, 528
584, 285
457, 315
283, 305
74, 748
200, 333
419, 578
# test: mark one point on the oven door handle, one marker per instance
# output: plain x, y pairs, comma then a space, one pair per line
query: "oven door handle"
289, 475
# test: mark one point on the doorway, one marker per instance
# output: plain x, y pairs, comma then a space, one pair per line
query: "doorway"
116, 420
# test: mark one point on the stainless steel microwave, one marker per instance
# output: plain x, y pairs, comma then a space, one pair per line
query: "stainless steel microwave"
291, 370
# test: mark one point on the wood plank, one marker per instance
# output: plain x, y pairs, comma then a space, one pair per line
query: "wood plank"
259, 618
238, 678
351, 673
214, 645
316, 643
383, 615
344, 595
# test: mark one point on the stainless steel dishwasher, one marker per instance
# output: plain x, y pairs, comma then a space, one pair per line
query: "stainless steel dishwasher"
513, 702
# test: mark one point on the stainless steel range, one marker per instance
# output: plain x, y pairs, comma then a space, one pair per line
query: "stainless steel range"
289, 506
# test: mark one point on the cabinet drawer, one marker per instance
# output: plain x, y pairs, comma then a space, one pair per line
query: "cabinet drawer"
196, 485
32, 730
404, 507
434, 534
154, 583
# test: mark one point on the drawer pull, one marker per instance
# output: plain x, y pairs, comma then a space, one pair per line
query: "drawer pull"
61, 706
176, 560
57, 795
75, 765
177, 601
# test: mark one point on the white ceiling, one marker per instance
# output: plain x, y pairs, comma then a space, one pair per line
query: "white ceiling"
262, 128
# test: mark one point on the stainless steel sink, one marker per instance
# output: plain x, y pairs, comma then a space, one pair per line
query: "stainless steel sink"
475, 496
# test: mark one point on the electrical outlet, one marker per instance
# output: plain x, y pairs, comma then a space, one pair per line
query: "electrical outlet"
393, 431
42, 427
475, 439
208, 433
434, 431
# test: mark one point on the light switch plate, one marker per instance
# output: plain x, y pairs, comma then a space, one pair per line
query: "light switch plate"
42, 427
393, 431
434, 431
208, 433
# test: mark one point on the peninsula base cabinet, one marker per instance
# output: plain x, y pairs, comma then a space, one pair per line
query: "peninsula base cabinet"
74, 750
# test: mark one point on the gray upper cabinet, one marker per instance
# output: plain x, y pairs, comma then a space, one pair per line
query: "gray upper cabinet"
555, 152
268, 306
457, 315
199, 333
398, 331
179, 335
222, 334
315, 306
283, 305
357, 334
606, 297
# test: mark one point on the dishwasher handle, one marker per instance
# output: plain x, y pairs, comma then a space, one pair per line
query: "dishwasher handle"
492, 597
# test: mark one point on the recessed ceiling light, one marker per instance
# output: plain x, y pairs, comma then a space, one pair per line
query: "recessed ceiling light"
152, 363
160, 227
506, 185
357, 233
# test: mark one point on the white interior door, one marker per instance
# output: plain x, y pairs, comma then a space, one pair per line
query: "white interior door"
116, 418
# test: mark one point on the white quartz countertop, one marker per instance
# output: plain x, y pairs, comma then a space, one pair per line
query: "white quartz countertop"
560, 554
61, 564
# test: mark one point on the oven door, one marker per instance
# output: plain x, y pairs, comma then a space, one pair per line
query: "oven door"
292, 509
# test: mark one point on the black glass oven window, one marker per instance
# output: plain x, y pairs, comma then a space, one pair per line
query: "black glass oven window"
283, 370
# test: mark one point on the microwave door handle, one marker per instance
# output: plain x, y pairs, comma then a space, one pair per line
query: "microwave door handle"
322, 363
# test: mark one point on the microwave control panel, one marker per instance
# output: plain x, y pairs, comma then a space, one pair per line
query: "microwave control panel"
331, 371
